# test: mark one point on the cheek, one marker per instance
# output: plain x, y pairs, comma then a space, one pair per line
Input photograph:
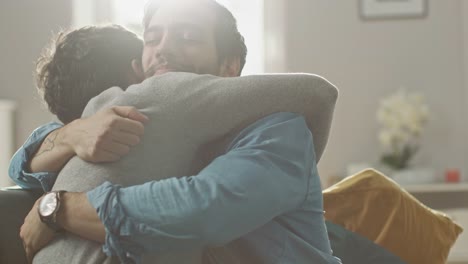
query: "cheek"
146, 58
205, 60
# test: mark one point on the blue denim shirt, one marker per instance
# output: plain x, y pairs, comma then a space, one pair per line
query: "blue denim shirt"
261, 199
19, 164
265, 189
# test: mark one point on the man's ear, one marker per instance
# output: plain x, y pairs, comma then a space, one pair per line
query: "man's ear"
138, 70
230, 67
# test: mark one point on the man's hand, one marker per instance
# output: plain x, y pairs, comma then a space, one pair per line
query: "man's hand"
104, 137
107, 135
34, 233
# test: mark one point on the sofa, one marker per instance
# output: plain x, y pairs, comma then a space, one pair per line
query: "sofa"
15, 204
369, 217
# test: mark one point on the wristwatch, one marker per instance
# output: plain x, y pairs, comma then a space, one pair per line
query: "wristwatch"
49, 205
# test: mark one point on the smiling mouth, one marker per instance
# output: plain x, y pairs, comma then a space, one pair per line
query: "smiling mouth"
155, 70
164, 70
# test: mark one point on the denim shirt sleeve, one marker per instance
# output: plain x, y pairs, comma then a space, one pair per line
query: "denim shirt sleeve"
264, 173
19, 171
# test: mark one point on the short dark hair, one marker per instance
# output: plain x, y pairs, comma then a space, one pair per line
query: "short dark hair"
229, 41
82, 63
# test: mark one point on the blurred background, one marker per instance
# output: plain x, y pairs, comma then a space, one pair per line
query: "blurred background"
369, 49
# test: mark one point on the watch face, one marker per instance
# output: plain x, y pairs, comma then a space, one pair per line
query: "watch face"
48, 204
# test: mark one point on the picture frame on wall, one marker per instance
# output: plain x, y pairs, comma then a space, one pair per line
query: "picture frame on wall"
392, 9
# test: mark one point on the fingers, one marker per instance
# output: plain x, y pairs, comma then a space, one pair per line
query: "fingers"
130, 113
29, 254
109, 135
106, 156
27, 249
116, 148
125, 138
117, 145
127, 125
112, 147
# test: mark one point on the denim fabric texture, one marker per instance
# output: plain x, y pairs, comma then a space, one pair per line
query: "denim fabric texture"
262, 200
19, 170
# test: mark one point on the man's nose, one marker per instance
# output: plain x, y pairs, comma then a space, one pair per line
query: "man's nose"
167, 45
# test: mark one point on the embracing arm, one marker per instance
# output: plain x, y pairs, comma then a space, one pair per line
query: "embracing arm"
52, 154
264, 174
224, 105
104, 137
19, 170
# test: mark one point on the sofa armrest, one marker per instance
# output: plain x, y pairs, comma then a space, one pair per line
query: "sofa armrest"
15, 204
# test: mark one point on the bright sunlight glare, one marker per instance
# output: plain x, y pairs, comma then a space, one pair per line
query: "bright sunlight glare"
128, 11
249, 15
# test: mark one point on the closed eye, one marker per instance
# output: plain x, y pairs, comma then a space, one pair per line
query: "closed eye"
191, 35
152, 36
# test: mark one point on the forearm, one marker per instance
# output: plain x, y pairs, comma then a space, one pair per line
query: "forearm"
79, 217
19, 169
53, 153
260, 178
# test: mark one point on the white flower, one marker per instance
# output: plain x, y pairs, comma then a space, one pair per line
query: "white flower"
402, 117
385, 138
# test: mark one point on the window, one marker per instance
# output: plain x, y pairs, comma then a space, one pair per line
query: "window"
129, 13
249, 15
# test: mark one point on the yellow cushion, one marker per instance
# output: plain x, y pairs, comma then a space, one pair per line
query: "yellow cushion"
374, 206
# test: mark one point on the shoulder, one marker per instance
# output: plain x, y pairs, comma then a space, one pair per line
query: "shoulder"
279, 128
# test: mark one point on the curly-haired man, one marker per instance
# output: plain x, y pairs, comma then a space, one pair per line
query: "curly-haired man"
82, 63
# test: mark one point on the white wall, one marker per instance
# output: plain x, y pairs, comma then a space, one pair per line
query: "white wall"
464, 14
7, 110
371, 59
25, 28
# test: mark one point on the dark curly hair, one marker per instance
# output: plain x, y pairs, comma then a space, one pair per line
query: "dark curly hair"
82, 63
229, 42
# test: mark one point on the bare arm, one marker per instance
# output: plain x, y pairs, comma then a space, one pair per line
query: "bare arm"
104, 137
227, 188
53, 153
36, 235
87, 223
